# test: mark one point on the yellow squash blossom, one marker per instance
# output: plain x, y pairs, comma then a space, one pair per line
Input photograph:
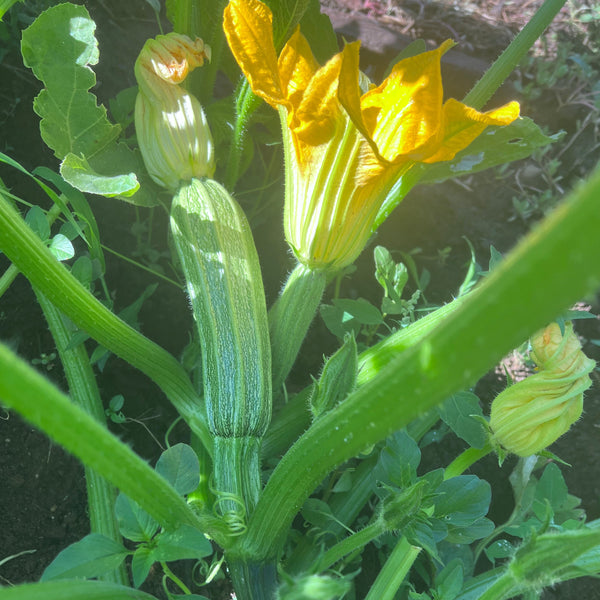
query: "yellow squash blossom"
533, 413
171, 128
346, 142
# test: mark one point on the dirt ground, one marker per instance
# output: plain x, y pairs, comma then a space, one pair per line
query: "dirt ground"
42, 496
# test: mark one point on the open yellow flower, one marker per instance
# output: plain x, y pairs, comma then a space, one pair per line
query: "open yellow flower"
346, 142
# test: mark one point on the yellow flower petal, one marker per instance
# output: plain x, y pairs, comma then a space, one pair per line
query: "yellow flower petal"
349, 95
344, 150
173, 56
461, 124
314, 119
248, 26
297, 66
349, 92
402, 115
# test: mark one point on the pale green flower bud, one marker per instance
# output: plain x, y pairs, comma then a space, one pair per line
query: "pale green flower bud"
533, 413
171, 127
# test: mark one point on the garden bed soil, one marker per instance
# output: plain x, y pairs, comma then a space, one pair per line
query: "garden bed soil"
42, 496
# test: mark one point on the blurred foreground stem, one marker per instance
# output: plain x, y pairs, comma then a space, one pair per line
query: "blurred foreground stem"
544, 275
35, 261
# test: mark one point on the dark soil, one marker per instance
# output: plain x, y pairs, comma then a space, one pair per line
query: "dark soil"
42, 496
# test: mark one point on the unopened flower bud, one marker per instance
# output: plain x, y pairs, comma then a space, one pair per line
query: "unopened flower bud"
551, 350
171, 127
533, 413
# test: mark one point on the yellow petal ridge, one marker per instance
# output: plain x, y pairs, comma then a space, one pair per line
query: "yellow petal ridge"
314, 119
403, 114
461, 124
297, 66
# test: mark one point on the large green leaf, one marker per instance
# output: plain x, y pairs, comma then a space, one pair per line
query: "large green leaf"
59, 47
92, 556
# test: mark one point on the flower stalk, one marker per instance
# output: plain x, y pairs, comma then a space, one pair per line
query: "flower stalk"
291, 316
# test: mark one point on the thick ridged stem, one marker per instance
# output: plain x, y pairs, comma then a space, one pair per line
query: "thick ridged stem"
36, 262
253, 581
291, 316
545, 274
43, 405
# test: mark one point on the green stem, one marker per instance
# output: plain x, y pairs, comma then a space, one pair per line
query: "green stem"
246, 102
501, 589
184, 588
350, 544
464, 460
84, 392
291, 316
236, 470
7, 278
51, 278
185, 17
493, 78
45, 407
394, 571
374, 359
253, 581
546, 273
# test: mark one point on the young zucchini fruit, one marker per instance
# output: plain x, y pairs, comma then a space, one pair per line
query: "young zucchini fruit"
217, 253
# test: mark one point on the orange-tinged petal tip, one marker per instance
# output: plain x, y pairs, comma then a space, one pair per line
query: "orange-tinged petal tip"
248, 26
297, 66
